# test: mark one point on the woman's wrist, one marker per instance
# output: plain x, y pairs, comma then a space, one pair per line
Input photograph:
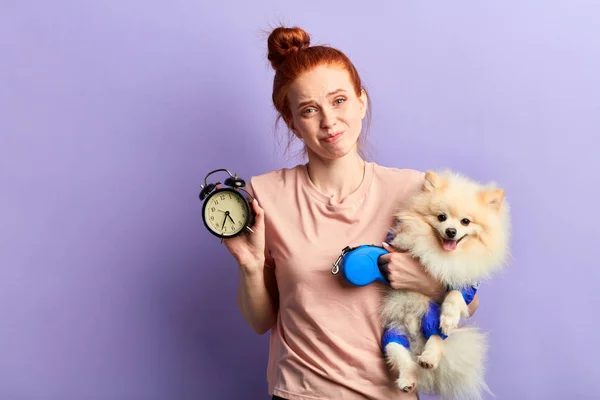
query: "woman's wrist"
252, 269
437, 292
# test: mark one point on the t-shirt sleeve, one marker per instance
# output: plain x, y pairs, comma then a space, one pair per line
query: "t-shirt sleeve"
408, 182
269, 261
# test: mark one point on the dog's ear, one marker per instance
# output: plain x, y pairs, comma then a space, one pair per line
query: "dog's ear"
492, 198
432, 181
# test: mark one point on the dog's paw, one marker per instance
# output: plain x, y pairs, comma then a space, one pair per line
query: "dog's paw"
449, 320
406, 383
428, 360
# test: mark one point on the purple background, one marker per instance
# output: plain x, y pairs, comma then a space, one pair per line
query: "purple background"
112, 112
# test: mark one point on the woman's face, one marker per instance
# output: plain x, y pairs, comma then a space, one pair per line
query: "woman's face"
326, 113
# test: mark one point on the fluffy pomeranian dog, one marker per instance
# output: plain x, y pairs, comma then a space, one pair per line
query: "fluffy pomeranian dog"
459, 231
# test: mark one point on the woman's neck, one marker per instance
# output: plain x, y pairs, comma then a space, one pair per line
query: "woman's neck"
336, 178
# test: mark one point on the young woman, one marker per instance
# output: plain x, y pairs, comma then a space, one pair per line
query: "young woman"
325, 336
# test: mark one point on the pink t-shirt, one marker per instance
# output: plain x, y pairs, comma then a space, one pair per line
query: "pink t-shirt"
326, 342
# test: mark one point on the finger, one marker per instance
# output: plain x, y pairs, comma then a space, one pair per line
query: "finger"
391, 248
388, 247
259, 215
230, 243
383, 267
384, 259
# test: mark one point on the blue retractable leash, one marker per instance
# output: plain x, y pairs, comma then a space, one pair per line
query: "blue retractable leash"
358, 265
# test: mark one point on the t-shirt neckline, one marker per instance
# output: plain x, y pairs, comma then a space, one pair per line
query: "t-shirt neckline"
349, 200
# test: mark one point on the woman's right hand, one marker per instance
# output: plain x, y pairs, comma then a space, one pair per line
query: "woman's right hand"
405, 272
248, 248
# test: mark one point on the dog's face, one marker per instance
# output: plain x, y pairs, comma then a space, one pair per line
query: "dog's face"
462, 214
458, 229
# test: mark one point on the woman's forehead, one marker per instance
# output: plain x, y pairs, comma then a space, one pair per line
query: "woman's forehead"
319, 83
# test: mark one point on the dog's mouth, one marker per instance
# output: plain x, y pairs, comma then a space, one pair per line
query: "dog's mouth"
451, 244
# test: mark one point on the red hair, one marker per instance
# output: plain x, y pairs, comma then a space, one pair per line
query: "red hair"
291, 55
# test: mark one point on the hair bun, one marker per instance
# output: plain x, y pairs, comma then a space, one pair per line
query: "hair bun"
285, 41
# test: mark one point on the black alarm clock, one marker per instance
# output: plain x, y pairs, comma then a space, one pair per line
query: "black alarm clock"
227, 211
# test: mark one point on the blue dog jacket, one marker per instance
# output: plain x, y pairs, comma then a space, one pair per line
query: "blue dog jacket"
468, 292
391, 335
430, 324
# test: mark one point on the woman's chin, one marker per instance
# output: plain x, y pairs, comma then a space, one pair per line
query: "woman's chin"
337, 150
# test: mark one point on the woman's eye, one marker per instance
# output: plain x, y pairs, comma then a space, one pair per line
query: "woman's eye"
340, 100
308, 110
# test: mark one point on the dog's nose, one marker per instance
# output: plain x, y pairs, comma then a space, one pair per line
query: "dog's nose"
450, 232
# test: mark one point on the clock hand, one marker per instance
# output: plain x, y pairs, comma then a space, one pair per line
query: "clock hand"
223, 226
231, 219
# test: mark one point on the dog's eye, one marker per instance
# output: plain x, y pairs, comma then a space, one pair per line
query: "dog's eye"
465, 221
442, 217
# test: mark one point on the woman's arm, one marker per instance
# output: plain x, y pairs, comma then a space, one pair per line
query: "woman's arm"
473, 305
257, 287
258, 298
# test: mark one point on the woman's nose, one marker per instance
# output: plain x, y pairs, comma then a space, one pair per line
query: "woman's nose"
327, 119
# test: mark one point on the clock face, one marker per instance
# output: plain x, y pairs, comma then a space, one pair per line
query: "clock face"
225, 212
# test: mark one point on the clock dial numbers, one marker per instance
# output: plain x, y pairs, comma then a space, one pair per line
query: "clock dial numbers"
225, 213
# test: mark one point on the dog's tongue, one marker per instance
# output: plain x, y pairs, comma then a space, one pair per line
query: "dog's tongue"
449, 245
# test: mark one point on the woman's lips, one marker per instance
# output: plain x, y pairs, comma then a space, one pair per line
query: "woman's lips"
333, 138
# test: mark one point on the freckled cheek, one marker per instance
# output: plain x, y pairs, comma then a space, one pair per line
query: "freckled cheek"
307, 127
349, 116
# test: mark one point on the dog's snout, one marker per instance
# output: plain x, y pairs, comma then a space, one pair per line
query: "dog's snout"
451, 232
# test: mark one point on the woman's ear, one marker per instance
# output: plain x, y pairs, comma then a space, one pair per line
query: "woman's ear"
290, 125
363, 99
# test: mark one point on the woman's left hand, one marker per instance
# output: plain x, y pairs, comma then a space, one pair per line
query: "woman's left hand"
405, 272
